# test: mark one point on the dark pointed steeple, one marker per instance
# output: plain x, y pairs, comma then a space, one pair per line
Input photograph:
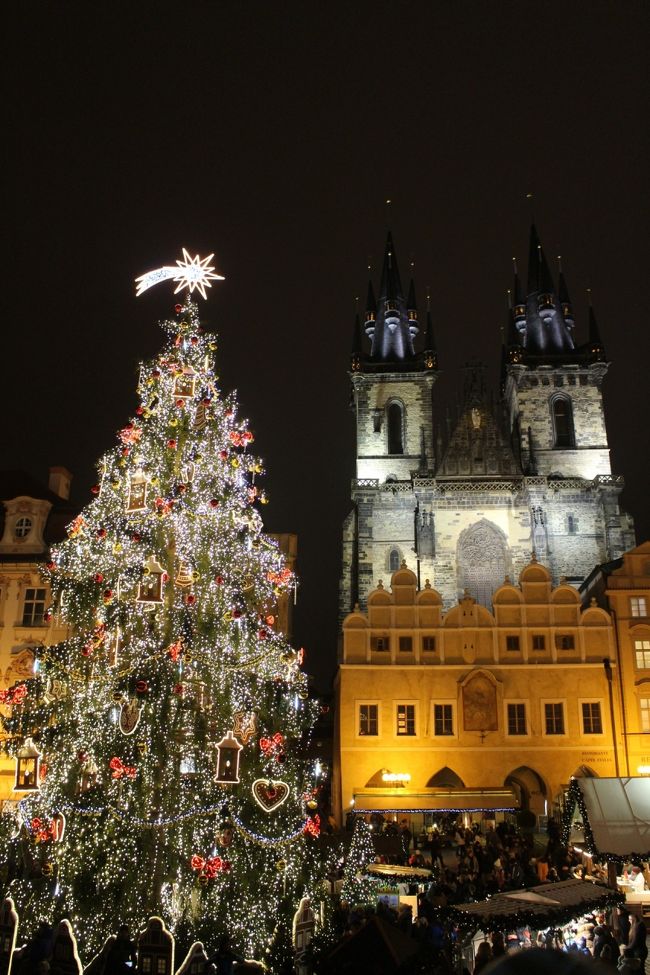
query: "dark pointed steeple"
539, 275
518, 301
563, 295
595, 344
412, 310
371, 312
390, 290
357, 345
430, 354
544, 330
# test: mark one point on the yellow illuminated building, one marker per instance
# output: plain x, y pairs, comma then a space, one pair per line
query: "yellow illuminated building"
488, 710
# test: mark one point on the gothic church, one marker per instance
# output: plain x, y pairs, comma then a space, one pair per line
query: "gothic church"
466, 505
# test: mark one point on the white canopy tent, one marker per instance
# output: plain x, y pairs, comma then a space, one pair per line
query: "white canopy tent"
616, 816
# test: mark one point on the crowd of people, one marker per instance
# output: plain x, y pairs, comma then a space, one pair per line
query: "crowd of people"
469, 865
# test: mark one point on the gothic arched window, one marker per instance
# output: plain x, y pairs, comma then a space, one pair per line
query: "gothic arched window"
562, 415
395, 423
394, 560
482, 560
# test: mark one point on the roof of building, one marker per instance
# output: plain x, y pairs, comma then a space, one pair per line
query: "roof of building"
19, 483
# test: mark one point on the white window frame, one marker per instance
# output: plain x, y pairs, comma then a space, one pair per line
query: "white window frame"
23, 527
406, 703
638, 606
526, 705
554, 700
644, 713
33, 601
449, 702
592, 700
357, 717
642, 649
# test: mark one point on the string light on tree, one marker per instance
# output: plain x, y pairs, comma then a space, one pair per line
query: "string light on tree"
148, 720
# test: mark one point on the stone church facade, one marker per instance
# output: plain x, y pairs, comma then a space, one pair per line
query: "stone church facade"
466, 504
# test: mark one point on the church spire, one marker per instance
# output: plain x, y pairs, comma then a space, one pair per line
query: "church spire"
596, 347
545, 329
430, 354
392, 323
563, 295
371, 311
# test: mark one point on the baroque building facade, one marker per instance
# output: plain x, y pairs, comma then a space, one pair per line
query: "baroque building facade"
468, 502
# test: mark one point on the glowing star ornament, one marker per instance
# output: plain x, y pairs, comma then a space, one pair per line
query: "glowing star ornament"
194, 273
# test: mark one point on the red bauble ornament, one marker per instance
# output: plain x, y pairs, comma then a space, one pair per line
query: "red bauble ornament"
214, 503
262, 634
171, 444
141, 686
178, 309
223, 454
126, 451
51, 566
179, 689
194, 340
206, 400
95, 489
190, 599
180, 403
99, 577
155, 373
219, 580
165, 577
101, 533
86, 651
139, 411
47, 616
108, 594
136, 537
236, 613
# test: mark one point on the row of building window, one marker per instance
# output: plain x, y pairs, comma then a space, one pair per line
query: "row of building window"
517, 723
563, 641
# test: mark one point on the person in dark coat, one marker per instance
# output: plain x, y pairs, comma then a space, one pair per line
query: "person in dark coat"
121, 955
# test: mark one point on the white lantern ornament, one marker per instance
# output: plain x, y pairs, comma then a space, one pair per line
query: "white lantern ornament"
150, 590
137, 492
228, 750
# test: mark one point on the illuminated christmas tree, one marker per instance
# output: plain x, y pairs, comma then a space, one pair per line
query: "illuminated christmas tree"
161, 747
359, 889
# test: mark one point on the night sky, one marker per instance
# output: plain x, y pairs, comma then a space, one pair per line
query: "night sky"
272, 134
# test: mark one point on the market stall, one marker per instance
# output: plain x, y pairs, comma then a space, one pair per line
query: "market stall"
607, 822
521, 914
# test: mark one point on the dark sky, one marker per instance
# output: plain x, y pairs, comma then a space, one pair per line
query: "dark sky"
271, 134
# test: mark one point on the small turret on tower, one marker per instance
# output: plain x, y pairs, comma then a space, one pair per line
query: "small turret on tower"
518, 302
595, 344
412, 310
563, 295
371, 312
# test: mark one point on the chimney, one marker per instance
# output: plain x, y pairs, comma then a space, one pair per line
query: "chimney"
59, 482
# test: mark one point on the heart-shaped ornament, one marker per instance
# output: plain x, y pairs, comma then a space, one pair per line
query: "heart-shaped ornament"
269, 794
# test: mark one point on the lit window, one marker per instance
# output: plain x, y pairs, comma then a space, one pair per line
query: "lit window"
405, 644
22, 527
517, 719
554, 718
512, 643
368, 719
379, 643
592, 722
644, 707
406, 719
642, 654
539, 641
443, 719
565, 641
34, 607
638, 606
429, 643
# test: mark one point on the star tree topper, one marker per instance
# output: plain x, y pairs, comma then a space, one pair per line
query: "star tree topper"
193, 273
